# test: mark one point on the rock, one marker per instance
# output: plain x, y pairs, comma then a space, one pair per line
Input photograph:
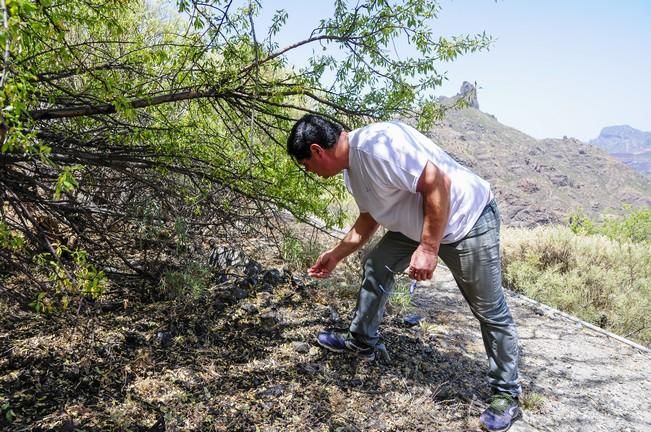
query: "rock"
159, 426
623, 139
273, 391
270, 319
220, 278
252, 269
133, 340
412, 319
249, 308
356, 382
334, 316
264, 298
309, 368
224, 257
378, 424
301, 347
298, 283
560, 180
442, 394
163, 338
239, 293
272, 277
469, 93
219, 306
248, 282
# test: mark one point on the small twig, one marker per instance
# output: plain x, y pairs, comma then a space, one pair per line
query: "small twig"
635, 331
5, 60
255, 87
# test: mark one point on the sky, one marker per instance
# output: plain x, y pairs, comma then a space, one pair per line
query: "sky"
556, 68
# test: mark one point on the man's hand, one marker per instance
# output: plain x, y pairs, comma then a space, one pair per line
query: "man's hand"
361, 231
423, 263
324, 265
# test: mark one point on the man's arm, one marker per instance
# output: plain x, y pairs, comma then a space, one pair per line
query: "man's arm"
362, 230
434, 186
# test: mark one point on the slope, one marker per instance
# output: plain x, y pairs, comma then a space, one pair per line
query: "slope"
540, 181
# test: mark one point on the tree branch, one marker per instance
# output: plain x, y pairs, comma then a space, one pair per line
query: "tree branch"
110, 108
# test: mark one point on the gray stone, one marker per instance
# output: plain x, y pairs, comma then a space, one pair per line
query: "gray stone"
164, 338
334, 315
238, 293
301, 347
249, 308
272, 277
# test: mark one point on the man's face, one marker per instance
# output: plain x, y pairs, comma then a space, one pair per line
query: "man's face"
321, 162
313, 166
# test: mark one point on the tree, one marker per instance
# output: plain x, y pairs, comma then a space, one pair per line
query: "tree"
130, 129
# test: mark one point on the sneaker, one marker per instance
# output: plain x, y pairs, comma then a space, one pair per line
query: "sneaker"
502, 412
338, 343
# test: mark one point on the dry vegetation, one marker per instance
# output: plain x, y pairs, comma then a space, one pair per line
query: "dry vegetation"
235, 355
603, 281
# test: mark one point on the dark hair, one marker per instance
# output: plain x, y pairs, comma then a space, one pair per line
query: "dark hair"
312, 129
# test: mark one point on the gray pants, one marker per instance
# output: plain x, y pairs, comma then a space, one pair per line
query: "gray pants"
476, 267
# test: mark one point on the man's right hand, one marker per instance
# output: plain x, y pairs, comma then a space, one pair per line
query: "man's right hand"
324, 265
362, 230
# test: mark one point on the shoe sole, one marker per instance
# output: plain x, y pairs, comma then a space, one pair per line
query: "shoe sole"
517, 417
354, 349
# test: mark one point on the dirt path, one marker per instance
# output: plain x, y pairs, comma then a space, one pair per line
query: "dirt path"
589, 381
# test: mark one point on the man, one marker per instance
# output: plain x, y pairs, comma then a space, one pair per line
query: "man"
432, 207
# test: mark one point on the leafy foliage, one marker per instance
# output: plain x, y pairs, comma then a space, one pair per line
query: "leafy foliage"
634, 226
134, 131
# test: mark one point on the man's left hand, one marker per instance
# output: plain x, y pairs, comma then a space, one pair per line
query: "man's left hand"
423, 263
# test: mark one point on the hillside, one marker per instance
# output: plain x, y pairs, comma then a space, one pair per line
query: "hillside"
638, 161
540, 181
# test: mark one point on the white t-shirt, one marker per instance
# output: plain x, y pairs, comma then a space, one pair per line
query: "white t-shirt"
385, 163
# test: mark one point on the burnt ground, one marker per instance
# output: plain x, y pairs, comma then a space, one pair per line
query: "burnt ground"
243, 357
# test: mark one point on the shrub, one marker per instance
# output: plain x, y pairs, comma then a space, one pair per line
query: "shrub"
634, 226
299, 253
603, 279
400, 296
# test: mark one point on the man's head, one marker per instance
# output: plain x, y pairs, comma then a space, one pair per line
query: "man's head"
312, 143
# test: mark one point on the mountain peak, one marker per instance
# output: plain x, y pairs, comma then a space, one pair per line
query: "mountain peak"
623, 139
468, 92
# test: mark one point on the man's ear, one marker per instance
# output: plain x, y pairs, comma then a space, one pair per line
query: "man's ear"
316, 149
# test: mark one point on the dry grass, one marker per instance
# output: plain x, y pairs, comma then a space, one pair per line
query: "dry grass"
600, 280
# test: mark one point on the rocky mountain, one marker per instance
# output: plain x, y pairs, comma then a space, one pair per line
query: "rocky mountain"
631, 146
540, 181
623, 139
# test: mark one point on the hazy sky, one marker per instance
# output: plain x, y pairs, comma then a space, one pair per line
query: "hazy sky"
557, 67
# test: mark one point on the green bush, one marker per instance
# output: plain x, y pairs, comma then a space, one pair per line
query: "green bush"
79, 279
400, 296
300, 253
635, 226
191, 280
600, 273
